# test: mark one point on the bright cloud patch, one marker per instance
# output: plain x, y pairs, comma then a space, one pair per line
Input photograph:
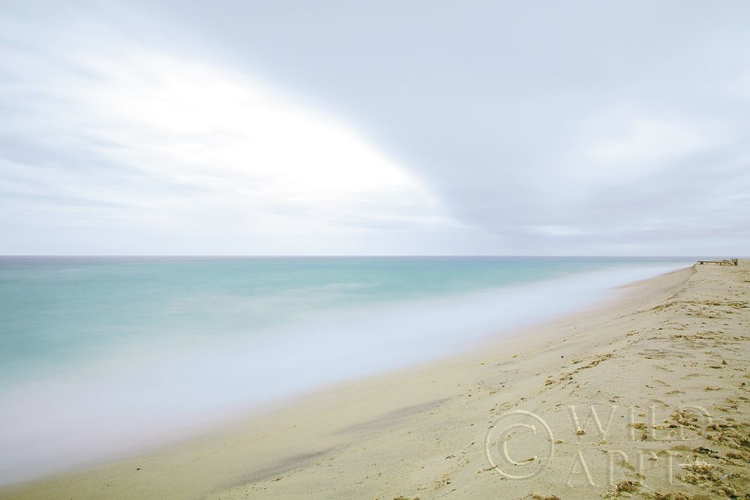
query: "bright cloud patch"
171, 142
618, 146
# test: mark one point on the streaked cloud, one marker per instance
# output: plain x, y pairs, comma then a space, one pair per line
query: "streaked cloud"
137, 136
286, 128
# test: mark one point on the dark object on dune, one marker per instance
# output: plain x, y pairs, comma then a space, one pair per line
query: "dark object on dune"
725, 262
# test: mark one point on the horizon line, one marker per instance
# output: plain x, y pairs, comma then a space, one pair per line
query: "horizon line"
2, 256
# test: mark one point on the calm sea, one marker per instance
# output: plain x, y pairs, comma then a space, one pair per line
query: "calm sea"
101, 357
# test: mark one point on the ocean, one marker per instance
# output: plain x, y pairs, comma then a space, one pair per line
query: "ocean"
101, 357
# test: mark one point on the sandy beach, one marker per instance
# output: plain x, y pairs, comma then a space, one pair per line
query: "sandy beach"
374, 250
646, 397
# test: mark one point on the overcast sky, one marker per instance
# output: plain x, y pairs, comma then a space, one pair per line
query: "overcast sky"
351, 127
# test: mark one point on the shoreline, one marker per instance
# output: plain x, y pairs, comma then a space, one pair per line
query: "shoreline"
70, 423
418, 431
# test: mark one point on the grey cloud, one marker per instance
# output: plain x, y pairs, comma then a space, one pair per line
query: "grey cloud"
487, 103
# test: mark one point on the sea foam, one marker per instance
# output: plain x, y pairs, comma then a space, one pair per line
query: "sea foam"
146, 395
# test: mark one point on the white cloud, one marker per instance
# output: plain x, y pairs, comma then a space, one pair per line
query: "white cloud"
621, 146
184, 144
108, 135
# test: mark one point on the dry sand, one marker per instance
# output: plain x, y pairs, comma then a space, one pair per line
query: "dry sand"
666, 370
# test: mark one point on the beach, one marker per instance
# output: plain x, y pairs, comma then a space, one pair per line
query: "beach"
644, 396
374, 250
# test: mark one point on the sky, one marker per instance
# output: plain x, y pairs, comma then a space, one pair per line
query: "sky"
375, 128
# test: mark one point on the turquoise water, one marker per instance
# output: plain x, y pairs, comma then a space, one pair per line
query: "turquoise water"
58, 312
116, 350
